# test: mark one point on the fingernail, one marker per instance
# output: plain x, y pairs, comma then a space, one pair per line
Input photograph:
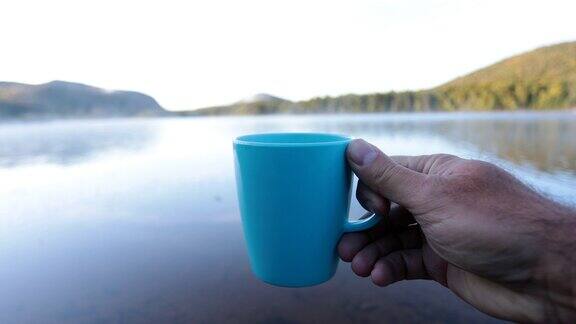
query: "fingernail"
361, 152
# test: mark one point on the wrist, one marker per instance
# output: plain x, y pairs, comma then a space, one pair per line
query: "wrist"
555, 274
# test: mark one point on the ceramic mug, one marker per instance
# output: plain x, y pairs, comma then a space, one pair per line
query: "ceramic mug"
294, 195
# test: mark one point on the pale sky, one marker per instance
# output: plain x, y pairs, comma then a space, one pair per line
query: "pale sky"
192, 54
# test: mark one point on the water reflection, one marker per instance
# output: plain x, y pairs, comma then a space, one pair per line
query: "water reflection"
547, 145
137, 220
69, 142
542, 140
188, 273
546, 141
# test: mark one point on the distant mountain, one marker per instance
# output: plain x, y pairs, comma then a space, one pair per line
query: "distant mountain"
261, 103
544, 78
261, 97
59, 99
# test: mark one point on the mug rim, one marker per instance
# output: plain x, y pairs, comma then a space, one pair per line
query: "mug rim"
245, 139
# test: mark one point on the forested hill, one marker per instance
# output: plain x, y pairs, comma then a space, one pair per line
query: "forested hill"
544, 78
59, 99
540, 79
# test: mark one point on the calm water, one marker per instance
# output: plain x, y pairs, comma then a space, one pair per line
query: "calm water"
136, 220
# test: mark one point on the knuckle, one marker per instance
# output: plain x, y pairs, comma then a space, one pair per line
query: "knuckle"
443, 157
436, 162
479, 170
359, 265
381, 208
474, 176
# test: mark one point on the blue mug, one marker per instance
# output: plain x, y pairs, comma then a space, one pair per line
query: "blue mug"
294, 194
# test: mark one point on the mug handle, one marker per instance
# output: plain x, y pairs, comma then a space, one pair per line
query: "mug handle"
365, 222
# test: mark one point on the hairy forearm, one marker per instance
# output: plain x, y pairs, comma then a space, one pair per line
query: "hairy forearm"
556, 272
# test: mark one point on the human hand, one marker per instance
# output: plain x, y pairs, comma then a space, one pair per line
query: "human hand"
493, 241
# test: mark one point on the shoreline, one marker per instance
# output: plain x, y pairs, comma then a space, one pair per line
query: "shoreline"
177, 115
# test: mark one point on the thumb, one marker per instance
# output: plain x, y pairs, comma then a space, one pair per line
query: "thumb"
384, 176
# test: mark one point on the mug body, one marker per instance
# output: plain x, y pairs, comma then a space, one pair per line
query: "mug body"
294, 196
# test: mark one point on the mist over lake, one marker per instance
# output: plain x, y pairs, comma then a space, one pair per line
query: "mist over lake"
136, 220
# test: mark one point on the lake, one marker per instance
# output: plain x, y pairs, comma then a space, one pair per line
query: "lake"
136, 220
